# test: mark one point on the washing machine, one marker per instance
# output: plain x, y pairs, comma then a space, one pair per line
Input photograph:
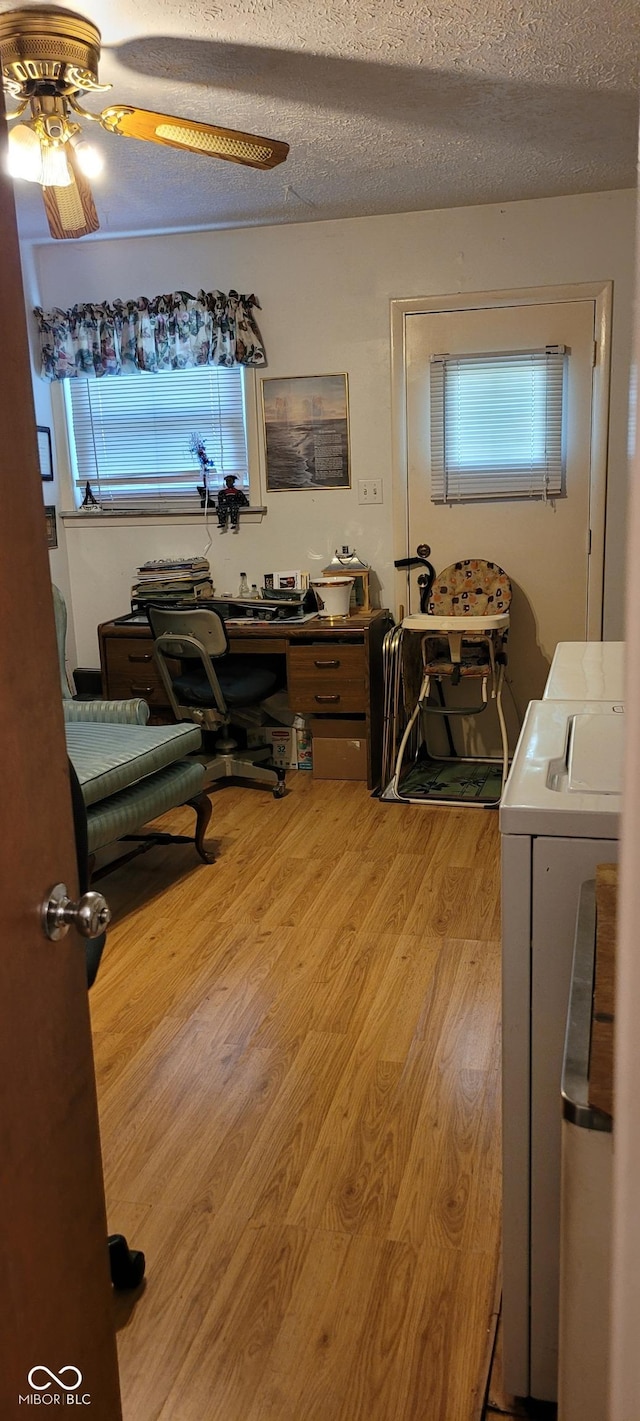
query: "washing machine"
559, 819
586, 671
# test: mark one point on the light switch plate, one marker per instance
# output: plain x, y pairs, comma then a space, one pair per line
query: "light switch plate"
370, 490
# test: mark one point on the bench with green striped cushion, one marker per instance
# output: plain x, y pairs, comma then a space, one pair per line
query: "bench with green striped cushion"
109, 758
129, 810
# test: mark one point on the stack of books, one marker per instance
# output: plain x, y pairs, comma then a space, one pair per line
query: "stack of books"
178, 581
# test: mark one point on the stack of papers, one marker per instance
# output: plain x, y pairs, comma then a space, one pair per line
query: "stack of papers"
172, 579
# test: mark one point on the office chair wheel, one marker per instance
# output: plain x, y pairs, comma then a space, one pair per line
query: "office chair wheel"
126, 1264
280, 786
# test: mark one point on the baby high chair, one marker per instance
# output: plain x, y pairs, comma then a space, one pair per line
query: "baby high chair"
463, 630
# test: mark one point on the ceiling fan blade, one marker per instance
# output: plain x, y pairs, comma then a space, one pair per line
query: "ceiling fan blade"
186, 133
70, 210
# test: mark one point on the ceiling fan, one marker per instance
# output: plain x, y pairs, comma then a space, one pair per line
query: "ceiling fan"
49, 59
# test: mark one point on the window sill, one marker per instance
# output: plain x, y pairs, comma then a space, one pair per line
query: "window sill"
124, 518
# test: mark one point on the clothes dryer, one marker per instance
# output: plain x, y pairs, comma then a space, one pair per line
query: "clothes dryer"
559, 819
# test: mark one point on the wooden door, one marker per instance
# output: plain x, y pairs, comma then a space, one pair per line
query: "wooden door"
56, 1308
544, 547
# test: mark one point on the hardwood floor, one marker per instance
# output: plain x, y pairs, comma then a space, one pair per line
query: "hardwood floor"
297, 1054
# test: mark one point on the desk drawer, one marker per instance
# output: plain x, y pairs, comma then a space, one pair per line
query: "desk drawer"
129, 656
131, 670
143, 686
327, 677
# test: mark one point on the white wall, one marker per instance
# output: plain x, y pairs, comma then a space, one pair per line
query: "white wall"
325, 289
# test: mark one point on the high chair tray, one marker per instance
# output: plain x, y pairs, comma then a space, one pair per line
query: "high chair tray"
424, 622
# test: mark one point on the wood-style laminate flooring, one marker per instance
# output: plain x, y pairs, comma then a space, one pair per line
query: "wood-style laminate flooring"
297, 1054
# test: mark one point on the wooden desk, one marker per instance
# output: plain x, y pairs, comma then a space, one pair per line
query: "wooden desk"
332, 669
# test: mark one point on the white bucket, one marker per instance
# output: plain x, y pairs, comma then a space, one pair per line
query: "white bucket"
333, 595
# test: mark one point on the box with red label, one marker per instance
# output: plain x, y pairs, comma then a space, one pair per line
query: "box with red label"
284, 745
290, 747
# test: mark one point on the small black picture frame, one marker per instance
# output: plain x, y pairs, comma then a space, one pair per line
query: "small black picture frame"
52, 527
44, 453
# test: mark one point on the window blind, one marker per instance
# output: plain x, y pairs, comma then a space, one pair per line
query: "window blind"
497, 425
131, 435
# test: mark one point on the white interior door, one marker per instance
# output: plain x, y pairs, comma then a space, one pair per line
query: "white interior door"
544, 547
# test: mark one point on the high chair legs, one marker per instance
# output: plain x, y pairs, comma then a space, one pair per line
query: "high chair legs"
392, 791
404, 786
503, 727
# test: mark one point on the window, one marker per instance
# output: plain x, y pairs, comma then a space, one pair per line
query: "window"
130, 436
497, 425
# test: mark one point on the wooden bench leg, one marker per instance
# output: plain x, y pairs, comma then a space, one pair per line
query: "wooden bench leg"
203, 807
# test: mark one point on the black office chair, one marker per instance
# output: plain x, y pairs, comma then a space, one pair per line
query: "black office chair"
186, 646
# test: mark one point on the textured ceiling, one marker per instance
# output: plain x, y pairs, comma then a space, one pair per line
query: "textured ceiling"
388, 105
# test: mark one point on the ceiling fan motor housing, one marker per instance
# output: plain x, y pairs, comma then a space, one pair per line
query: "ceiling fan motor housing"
48, 52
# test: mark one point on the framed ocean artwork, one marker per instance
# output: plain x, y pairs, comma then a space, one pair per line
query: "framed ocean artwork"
306, 432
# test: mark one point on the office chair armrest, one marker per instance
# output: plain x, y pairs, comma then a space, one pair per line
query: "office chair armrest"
131, 712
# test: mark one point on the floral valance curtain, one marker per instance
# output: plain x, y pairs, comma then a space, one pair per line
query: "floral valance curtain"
173, 332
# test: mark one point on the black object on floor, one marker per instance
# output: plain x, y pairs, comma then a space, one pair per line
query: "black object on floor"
88, 683
126, 1264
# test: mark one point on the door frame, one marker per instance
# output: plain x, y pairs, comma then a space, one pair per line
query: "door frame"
601, 293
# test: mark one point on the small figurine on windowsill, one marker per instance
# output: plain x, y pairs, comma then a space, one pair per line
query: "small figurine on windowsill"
90, 503
230, 501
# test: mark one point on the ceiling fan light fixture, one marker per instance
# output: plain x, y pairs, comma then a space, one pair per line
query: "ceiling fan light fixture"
48, 60
90, 159
25, 154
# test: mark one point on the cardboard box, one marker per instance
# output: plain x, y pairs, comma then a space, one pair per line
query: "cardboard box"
339, 750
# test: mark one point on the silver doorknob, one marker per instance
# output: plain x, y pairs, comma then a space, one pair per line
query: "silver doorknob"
89, 916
